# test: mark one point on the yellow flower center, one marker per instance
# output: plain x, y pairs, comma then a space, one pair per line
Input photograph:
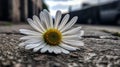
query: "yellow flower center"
52, 37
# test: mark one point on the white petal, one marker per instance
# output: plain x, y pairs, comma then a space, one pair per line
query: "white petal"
29, 32
64, 21
33, 24
44, 49
30, 37
57, 19
69, 24
72, 31
65, 51
57, 49
42, 44
50, 20
33, 41
42, 18
39, 23
22, 44
45, 19
30, 46
68, 47
81, 33
51, 49
74, 43
72, 37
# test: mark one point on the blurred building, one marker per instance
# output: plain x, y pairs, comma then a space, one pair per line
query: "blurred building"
19, 10
102, 13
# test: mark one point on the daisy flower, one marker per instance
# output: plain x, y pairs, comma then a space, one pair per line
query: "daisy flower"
53, 37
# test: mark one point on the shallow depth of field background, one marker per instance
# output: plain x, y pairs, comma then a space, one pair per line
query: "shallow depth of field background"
98, 12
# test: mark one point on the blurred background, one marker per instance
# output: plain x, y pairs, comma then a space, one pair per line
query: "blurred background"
89, 11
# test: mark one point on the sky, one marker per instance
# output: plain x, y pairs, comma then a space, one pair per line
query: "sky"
64, 5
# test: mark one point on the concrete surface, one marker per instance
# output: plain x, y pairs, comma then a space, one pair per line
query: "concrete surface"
101, 50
